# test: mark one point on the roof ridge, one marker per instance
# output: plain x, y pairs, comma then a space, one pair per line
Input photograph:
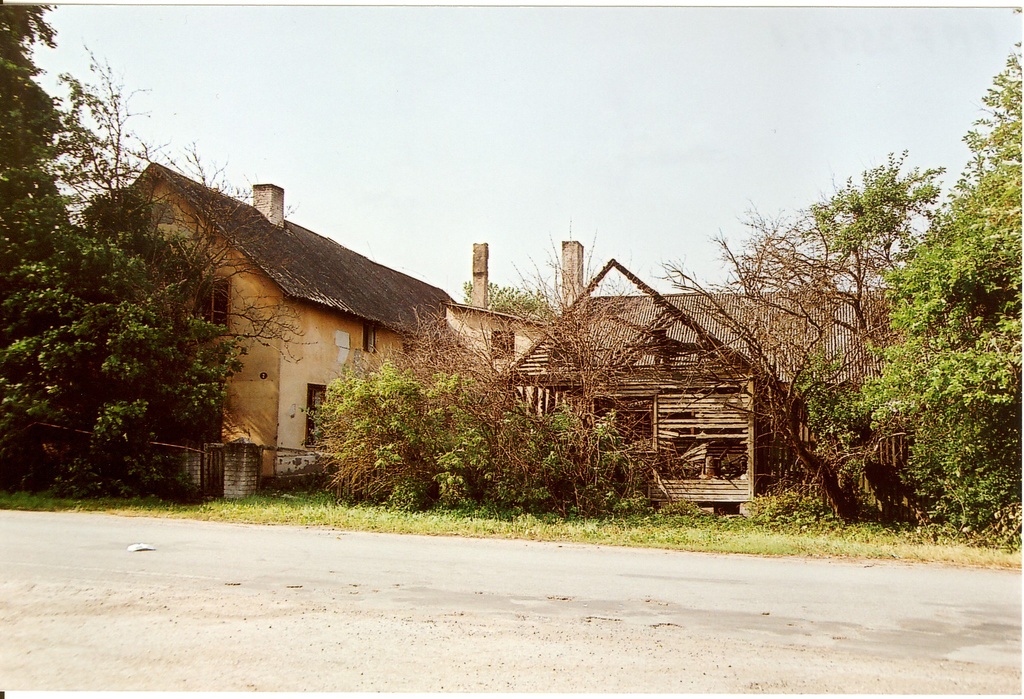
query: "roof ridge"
308, 265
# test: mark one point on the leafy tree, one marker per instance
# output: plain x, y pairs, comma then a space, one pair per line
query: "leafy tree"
954, 381
32, 211
31, 208
803, 306
524, 303
100, 354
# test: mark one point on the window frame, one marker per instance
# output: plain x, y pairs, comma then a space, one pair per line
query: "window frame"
315, 395
369, 337
216, 304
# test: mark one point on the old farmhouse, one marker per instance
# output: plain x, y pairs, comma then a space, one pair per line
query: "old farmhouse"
647, 359
678, 380
307, 307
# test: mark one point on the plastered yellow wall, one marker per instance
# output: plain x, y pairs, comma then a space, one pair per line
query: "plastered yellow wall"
327, 344
309, 344
475, 327
250, 411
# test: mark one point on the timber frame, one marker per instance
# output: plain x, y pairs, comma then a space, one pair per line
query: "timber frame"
675, 387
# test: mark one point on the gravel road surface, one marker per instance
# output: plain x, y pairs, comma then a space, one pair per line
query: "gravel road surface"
238, 607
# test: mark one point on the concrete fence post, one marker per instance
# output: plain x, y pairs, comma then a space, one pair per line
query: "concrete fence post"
242, 462
193, 465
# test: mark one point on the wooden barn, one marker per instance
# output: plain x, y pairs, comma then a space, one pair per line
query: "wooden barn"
677, 371
673, 385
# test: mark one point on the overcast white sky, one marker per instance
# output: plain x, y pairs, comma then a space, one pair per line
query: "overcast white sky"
409, 133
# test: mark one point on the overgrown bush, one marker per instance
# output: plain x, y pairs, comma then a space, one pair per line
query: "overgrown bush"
1005, 530
792, 508
684, 511
394, 438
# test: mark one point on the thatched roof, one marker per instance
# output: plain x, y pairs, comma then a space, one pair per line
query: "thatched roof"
307, 265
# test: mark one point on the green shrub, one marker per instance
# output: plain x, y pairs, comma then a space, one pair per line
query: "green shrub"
397, 439
791, 508
409, 495
953, 381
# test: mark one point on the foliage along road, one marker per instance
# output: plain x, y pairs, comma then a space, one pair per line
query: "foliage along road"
242, 607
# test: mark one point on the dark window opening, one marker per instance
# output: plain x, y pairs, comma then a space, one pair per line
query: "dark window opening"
369, 337
633, 418
660, 345
681, 415
214, 303
315, 394
219, 302
726, 390
162, 214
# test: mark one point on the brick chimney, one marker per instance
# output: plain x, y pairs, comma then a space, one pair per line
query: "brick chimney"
480, 279
269, 201
572, 270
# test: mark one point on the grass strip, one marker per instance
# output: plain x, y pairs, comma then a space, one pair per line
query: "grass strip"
702, 534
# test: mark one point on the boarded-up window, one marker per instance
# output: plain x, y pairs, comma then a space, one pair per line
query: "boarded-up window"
315, 394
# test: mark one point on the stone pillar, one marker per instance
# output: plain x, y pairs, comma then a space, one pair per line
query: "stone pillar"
193, 464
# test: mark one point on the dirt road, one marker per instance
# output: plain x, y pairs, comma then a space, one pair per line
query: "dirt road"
233, 607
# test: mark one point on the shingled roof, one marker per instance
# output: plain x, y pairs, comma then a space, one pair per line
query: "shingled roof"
309, 266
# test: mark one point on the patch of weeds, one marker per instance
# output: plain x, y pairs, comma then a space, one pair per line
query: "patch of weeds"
684, 509
792, 509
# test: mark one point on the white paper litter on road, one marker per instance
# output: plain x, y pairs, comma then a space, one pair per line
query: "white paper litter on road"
141, 547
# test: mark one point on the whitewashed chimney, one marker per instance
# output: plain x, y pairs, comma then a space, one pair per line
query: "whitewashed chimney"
572, 270
269, 201
480, 278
